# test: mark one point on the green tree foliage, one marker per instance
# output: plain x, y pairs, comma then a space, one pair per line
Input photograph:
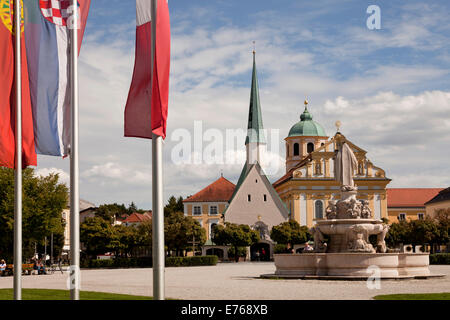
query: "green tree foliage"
125, 239
443, 222
398, 233
174, 205
416, 232
144, 231
290, 232
97, 236
180, 230
236, 235
109, 212
44, 199
423, 231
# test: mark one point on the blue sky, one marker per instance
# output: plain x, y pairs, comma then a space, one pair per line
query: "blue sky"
389, 87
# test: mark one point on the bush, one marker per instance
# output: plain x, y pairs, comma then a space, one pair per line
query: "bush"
280, 248
440, 258
147, 262
191, 261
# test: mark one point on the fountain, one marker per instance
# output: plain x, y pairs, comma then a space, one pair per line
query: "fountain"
342, 249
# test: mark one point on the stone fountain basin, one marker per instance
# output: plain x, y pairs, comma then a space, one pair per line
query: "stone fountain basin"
338, 230
352, 265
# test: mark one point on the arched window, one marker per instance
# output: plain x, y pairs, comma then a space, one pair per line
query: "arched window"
318, 209
296, 149
310, 147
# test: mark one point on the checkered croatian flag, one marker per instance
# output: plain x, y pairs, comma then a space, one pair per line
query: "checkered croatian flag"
56, 11
47, 35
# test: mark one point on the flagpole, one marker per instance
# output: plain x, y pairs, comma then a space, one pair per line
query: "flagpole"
74, 170
18, 163
157, 190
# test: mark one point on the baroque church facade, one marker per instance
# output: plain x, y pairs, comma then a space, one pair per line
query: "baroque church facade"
309, 183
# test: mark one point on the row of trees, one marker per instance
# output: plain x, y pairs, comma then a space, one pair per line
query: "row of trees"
432, 231
99, 235
44, 199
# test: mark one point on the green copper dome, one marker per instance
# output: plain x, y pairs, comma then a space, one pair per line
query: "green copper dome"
307, 127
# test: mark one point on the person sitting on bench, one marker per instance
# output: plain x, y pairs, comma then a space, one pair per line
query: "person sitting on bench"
2, 267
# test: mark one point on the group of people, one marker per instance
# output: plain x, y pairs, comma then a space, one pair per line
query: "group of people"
39, 266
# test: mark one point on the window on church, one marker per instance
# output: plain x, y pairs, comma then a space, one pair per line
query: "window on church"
296, 149
402, 217
420, 216
318, 209
265, 197
249, 198
310, 147
287, 150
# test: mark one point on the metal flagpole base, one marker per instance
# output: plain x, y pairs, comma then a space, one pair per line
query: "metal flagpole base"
157, 219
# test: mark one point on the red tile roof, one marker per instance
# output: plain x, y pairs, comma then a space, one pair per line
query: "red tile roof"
138, 217
220, 190
443, 195
410, 197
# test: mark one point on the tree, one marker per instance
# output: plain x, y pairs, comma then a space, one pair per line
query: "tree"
44, 199
423, 231
173, 205
398, 233
97, 235
124, 240
236, 235
442, 218
180, 230
290, 232
109, 212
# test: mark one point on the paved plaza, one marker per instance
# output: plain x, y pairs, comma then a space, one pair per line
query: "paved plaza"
235, 281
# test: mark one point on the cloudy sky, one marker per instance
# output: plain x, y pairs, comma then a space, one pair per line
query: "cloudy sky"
390, 88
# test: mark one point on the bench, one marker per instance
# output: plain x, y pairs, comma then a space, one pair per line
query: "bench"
27, 268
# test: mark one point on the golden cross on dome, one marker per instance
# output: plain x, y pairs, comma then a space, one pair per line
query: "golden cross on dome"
254, 46
338, 125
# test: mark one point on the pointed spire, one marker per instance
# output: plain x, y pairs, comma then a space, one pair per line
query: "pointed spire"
255, 124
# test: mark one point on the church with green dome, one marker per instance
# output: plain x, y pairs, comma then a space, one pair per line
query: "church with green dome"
304, 137
308, 184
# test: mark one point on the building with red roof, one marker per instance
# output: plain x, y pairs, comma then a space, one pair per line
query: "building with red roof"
207, 205
409, 203
137, 218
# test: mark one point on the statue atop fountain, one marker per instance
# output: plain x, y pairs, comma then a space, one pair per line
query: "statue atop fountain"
349, 220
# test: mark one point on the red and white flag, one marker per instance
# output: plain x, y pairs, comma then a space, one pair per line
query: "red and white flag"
146, 108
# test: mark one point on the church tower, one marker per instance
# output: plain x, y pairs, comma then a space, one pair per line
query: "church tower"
255, 140
304, 137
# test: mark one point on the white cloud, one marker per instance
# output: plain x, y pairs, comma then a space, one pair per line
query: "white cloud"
64, 177
382, 105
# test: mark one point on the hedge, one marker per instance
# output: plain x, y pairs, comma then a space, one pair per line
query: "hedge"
440, 258
147, 262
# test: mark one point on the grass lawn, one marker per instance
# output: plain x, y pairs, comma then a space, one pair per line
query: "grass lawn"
415, 296
50, 294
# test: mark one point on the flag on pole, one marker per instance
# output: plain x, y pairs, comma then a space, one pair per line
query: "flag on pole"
47, 36
146, 108
7, 94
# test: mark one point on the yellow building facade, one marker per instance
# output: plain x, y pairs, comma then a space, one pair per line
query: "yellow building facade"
309, 184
